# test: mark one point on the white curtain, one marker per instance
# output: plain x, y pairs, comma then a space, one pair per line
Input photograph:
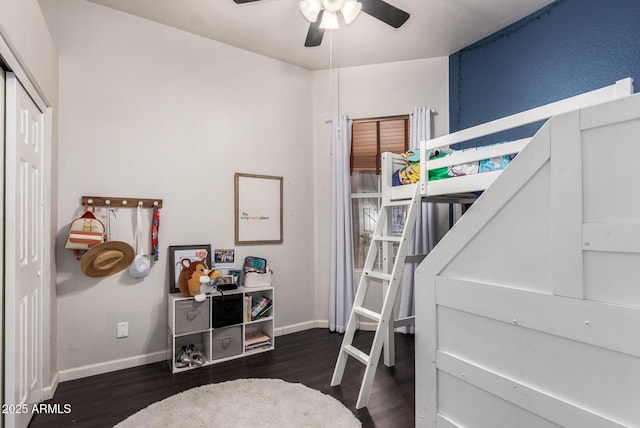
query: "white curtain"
424, 238
342, 262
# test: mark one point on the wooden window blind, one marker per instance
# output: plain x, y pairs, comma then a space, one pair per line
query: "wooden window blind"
372, 137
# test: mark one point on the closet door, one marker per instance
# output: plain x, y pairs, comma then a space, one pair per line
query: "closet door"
2, 144
24, 207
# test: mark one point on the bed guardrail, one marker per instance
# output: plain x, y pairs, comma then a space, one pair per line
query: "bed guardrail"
620, 89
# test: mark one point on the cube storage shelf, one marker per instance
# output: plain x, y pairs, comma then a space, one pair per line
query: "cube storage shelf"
220, 327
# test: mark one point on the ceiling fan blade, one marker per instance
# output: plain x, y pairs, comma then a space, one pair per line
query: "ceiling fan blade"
244, 1
385, 12
315, 33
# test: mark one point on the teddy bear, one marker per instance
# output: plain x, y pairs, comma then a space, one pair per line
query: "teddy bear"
189, 279
194, 277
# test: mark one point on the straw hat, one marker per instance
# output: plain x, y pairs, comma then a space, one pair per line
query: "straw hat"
106, 259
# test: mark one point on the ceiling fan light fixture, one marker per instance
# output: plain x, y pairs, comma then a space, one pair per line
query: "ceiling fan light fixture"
310, 9
350, 10
329, 20
332, 5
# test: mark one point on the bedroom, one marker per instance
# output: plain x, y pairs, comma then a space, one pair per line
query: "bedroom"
144, 144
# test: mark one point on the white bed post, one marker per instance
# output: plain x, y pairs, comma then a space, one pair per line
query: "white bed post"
624, 87
424, 173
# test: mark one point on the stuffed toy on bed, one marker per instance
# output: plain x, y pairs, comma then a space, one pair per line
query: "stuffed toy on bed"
410, 173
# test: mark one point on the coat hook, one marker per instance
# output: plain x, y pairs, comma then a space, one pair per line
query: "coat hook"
155, 203
90, 201
140, 203
107, 202
124, 202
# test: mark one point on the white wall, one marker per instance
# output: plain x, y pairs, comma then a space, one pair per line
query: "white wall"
155, 112
152, 111
26, 40
25, 30
366, 91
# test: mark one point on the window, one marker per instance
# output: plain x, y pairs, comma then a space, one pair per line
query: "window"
370, 138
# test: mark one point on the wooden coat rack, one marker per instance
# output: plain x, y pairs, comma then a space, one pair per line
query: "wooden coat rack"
112, 201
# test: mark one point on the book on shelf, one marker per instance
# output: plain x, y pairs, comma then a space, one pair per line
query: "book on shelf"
247, 307
255, 337
263, 312
257, 347
254, 340
260, 306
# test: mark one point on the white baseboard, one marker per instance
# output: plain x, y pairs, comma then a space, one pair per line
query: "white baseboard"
111, 366
294, 328
154, 357
49, 391
368, 326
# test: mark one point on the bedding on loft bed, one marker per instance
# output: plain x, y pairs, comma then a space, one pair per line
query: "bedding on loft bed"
410, 173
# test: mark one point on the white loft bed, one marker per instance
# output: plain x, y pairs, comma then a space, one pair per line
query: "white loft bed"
528, 309
466, 187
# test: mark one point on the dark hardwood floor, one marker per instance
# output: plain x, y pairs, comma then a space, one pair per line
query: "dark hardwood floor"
306, 357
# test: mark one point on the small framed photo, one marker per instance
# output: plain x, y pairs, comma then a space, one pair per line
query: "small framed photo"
177, 253
225, 279
224, 258
237, 273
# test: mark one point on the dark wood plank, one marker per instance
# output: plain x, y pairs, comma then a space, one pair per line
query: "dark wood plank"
306, 357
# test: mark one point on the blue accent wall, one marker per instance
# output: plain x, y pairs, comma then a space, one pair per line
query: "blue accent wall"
564, 49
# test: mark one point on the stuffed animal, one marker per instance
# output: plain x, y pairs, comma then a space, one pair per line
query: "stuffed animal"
214, 273
189, 279
195, 277
410, 173
207, 283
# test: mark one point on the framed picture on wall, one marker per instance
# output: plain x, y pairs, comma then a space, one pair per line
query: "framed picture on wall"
178, 253
224, 258
258, 209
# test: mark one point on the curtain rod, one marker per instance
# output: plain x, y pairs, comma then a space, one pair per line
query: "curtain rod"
433, 111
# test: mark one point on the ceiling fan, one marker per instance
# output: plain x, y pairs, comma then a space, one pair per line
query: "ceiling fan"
314, 11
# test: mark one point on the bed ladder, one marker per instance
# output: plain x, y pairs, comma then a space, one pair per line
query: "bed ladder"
390, 275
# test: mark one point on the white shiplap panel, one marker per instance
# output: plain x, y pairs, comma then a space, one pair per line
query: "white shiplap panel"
611, 174
604, 381
526, 265
470, 407
554, 409
612, 277
614, 237
595, 323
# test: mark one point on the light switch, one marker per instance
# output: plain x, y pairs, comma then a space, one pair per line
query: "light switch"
122, 330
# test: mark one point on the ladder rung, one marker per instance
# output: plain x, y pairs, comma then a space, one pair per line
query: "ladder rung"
357, 354
398, 203
404, 321
367, 313
378, 275
387, 238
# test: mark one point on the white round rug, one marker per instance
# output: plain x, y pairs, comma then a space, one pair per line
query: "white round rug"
246, 403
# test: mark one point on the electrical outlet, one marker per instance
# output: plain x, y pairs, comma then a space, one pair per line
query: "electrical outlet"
122, 330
